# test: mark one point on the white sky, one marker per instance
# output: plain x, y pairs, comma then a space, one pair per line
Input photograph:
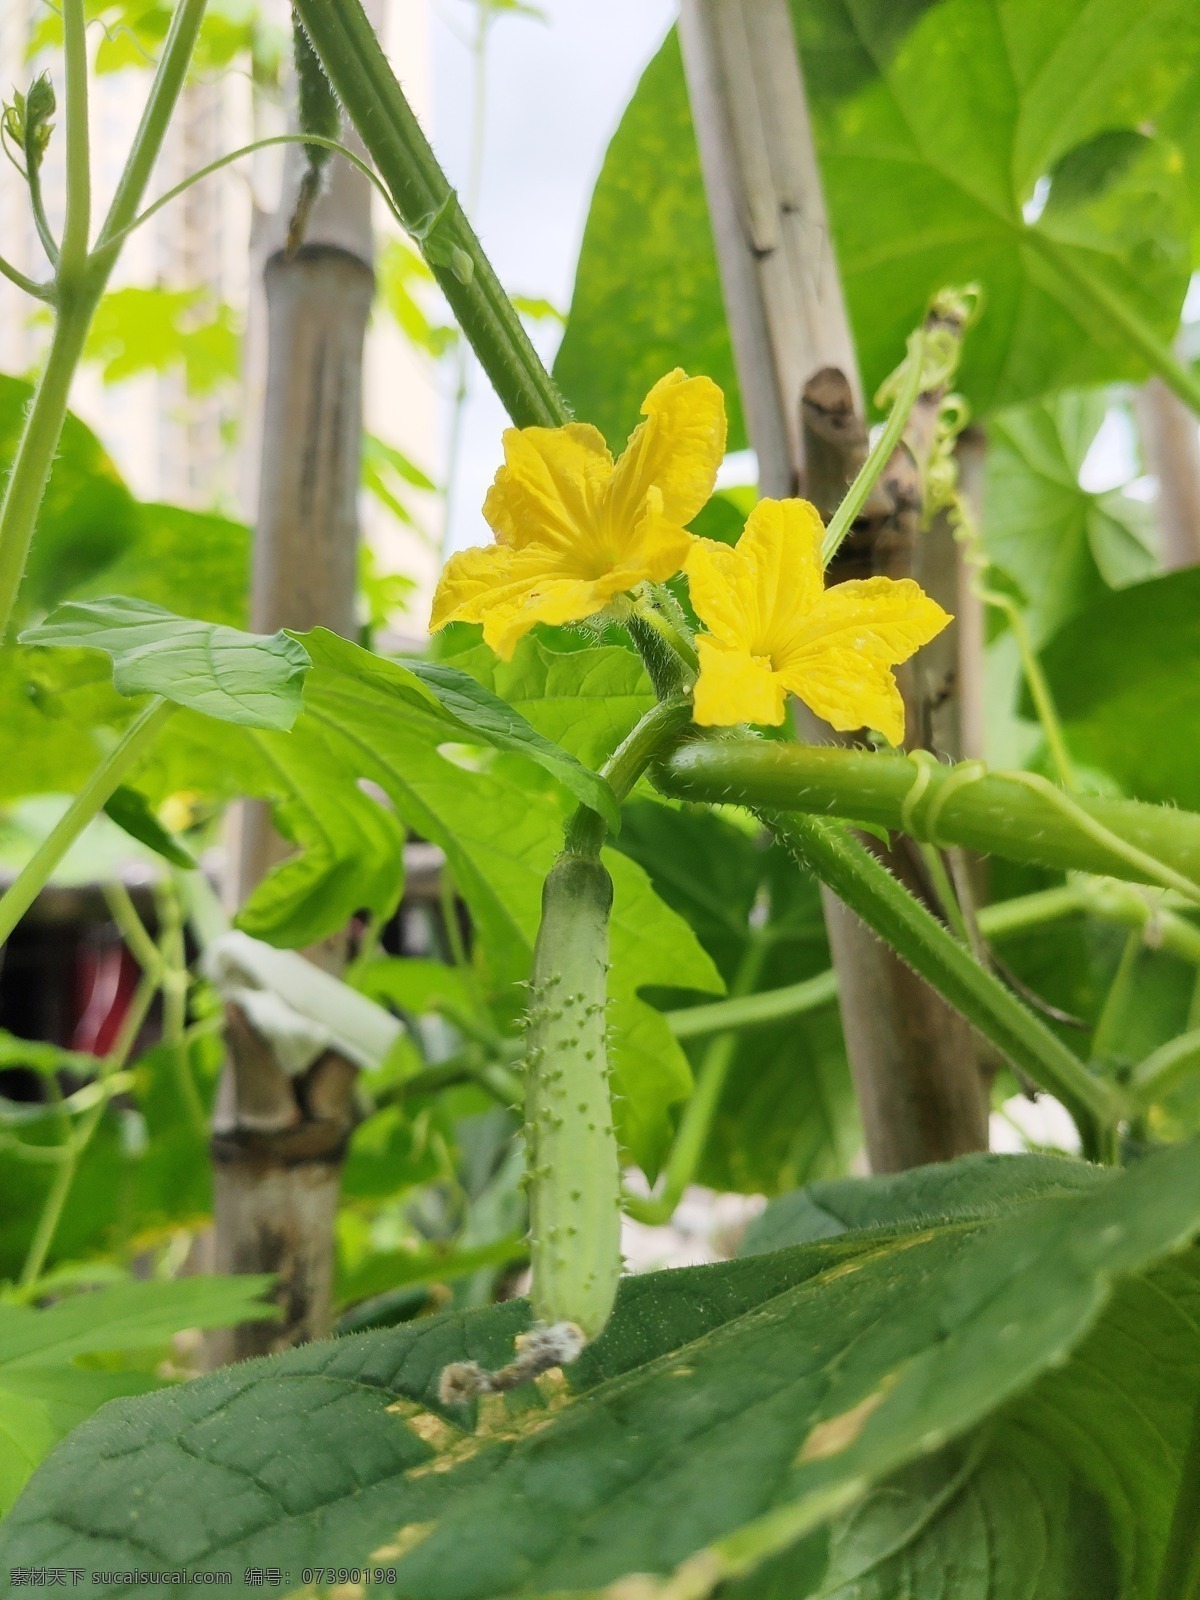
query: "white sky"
556, 91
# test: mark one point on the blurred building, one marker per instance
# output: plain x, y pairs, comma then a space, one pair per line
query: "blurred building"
193, 449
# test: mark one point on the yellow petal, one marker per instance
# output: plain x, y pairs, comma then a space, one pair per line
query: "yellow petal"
721, 592
467, 580
884, 619
511, 590
838, 658
735, 686
658, 548
550, 488
781, 552
676, 450
554, 600
757, 593
849, 691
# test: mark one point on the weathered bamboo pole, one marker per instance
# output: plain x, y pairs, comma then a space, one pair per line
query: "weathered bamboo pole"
919, 1089
279, 1141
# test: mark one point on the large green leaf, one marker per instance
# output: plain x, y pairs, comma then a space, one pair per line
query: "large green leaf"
44, 1393
647, 297
57, 707
1125, 674
970, 1189
726, 1413
1020, 1508
139, 329
191, 562
87, 517
250, 679
937, 125
1061, 545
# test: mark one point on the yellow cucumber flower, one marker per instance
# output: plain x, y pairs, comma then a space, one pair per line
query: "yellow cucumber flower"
574, 529
773, 628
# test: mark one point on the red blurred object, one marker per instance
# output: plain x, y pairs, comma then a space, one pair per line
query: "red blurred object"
105, 978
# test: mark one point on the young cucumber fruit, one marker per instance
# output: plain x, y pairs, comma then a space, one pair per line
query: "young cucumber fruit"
574, 1171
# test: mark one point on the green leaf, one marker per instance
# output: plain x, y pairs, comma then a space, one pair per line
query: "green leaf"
406, 287
246, 678
87, 517
137, 330
972, 1189
585, 700
350, 854
130, 810
647, 297
417, 986
651, 947
44, 1393
727, 1412
1062, 546
479, 711
927, 184
191, 562
1128, 709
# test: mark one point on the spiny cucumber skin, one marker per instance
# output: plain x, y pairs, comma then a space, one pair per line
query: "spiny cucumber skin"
573, 1165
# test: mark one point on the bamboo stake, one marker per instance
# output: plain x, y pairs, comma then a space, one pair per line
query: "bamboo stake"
921, 1096
279, 1143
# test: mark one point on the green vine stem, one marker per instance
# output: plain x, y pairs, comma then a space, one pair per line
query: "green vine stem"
29, 286
856, 496
175, 981
34, 875
865, 885
78, 221
80, 279
650, 735
992, 813
367, 87
35, 453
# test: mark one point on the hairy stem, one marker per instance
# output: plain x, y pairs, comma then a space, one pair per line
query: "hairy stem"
865, 885
152, 129
73, 257
656, 731
1003, 920
993, 813
80, 286
35, 453
175, 983
375, 102
30, 286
